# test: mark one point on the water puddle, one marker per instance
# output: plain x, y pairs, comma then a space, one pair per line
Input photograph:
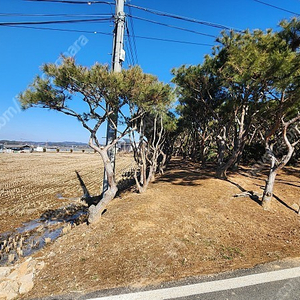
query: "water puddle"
34, 235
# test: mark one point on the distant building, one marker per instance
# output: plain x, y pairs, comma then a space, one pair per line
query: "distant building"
18, 148
51, 149
124, 145
39, 149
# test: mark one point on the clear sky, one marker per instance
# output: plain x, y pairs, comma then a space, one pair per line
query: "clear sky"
24, 50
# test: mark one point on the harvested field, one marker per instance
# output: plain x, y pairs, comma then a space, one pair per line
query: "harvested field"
188, 223
32, 183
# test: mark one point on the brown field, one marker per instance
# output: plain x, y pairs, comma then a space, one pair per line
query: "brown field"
32, 183
187, 224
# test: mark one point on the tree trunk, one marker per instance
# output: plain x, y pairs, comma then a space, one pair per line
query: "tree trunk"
221, 152
239, 157
163, 162
222, 170
221, 142
95, 211
142, 186
268, 192
204, 138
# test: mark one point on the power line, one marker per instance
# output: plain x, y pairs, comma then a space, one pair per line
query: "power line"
171, 26
130, 48
53, 22
277, 7
129, 56
106, 33
160, 13
105, 15
52, 15
178, 17
127, 61
74, 2
172, 41
59, 29
133, 36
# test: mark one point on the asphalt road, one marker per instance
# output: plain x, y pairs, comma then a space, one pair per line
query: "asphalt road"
279, 290
274, 281
280, 284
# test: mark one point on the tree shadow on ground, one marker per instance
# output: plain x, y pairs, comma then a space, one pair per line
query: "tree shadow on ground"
246, 173
186, 173
257, 199
291, 171
123, 185
264, 175
295, 171
284, 204
87, 198
250, 194
288, 183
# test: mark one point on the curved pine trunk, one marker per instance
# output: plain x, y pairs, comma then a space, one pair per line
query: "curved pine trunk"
147, 178
222, 170
163, 162
268, 191
95, 211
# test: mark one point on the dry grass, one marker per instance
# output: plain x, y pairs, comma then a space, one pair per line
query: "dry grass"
188, 223
34, 182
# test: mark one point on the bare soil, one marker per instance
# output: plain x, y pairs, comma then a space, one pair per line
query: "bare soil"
32, 183
188, 223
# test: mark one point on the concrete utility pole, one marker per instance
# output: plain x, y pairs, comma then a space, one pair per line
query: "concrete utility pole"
118, 51
118, 57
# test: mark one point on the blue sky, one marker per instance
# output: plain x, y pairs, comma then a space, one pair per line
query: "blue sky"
24, 50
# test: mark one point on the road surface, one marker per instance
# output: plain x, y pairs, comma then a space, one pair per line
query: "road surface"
280, 284
273, 281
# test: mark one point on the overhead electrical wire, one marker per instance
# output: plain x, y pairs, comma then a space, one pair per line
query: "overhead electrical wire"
133, 35
277, 7
74, 2
106, 33
130, 60
127, 60
53, 15
171, 26
178, 17
53, 22
171, 40
105, 15
130, 35
59, 29
156, 12
129, 46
